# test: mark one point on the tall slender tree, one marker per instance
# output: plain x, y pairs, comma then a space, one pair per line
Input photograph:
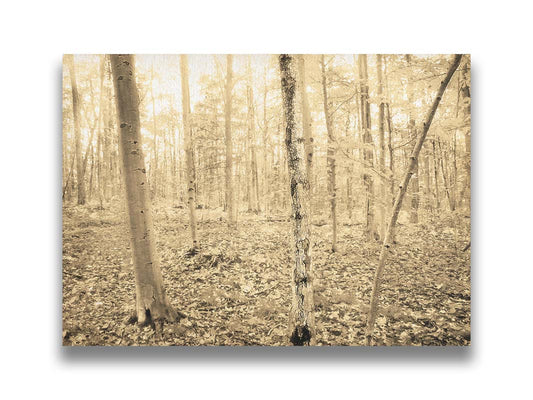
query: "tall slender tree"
331, 150
152, 303
230, 195
80, 170
381, 126
307, 122
302, 320
372, 313
187, 129
368, 150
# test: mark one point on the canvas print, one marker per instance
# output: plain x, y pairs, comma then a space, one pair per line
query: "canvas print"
266, 200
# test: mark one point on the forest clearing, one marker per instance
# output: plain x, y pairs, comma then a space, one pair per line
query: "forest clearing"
266, 200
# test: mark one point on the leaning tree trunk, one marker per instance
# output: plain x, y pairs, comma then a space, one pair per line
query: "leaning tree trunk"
80, 170
399, 198
302, 320
187, 129
152, 303
230, 195
332, 190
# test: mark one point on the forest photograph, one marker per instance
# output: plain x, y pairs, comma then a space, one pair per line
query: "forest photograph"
266, 200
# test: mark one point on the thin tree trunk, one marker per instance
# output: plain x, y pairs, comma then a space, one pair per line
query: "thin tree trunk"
399, 198
187, 129
152, 303
368, 153
302, 320
153, 170
80, 175
465, 95
307, 123
415, 187
331, 147
381, 126
230, 195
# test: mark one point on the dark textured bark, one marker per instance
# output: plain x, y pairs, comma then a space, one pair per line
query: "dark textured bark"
302, 323
399, 198
152, 303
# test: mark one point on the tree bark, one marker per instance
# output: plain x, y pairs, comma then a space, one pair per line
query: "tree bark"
187, 129
152, 303
302, 321
411, 127
399, 198
80, 173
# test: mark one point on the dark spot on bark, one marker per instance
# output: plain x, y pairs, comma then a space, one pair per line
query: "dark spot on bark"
297, 215
293, 187
301, 336
142, 212
120, 77
127, 63
144, 171
122, 125
134, 142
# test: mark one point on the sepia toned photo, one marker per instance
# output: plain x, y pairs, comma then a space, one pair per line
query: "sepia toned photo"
266, 200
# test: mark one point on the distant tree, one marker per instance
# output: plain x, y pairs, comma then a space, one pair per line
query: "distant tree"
381, 127
302, 320
399, 199
368, 150
80, 170
411, 128
187, 129
152, 303
307, 123
331, 161
230, 195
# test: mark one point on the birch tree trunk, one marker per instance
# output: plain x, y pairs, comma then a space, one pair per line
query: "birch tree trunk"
465, 95
80, 173
152, 303
399, 198
230, 195
332, 190
187, 129
302, 321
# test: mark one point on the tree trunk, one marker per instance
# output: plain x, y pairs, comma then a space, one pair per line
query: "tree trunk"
331, 145
307, 123
153, 168
230, 195
381, 125
368, 152
415, 187
152, 303
187, 129
80, 175
302, 320
465, 95
399, 198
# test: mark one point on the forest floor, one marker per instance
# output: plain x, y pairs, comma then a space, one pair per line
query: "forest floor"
236, 290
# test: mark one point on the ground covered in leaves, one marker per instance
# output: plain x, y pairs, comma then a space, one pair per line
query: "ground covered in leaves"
236, 290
